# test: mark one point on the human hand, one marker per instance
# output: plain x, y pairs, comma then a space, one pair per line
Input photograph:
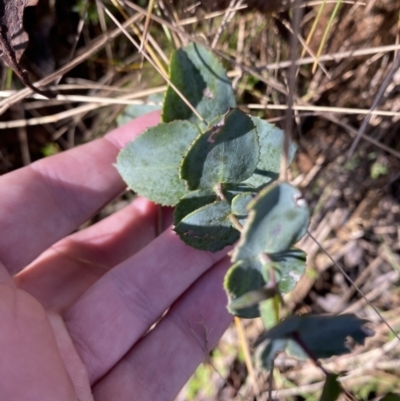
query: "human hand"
74, 319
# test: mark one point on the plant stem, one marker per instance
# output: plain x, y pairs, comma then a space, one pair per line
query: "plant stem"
271, 380
294, 45
221, 196
219, 192
304, 347
266, 259
235, 222
317, 363
272, 278
246, 352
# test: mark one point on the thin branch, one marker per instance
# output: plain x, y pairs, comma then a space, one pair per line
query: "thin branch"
235, 222
327, 109
355, 286
137, 45
246, 353
307, 351
294, 46
226, 19
85, 54
332, 57
377, 99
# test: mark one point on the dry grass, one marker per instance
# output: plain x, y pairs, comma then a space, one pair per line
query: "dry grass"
345, 116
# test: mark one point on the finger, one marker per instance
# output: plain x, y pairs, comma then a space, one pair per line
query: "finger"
47, 200
118, 309
66, 270
158, 366
30, 365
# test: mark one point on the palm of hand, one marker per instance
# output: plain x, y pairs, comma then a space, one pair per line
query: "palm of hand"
74, 322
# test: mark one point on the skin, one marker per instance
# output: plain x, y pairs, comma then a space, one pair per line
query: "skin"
76, 309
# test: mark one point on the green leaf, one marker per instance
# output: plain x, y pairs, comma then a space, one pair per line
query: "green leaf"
269, 311
252, 298
149, 164
323, 337
239, 206
242, 278
246, 281
202, 80
227, 153
192, 201
271, 147
278, 218
332, 388
208, 227
240, 202
289, 266
267, 351
136, 110
232, 190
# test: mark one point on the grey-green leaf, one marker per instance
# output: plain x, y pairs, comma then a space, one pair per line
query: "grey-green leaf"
192, 201
252, 298
278, 218
208, 227
267, 351
240, 203
239, 206
289, 266
136, 110
242, 278
202, 80
227, 153
246, 281
271, 147
232, 190
150, 164
322, 336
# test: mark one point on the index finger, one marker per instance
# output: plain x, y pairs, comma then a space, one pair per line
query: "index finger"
43, 202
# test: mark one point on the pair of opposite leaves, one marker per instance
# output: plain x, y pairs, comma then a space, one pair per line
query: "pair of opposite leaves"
229, 154
150, 164
175, 164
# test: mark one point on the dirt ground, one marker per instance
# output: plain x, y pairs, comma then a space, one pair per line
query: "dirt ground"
353, 191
